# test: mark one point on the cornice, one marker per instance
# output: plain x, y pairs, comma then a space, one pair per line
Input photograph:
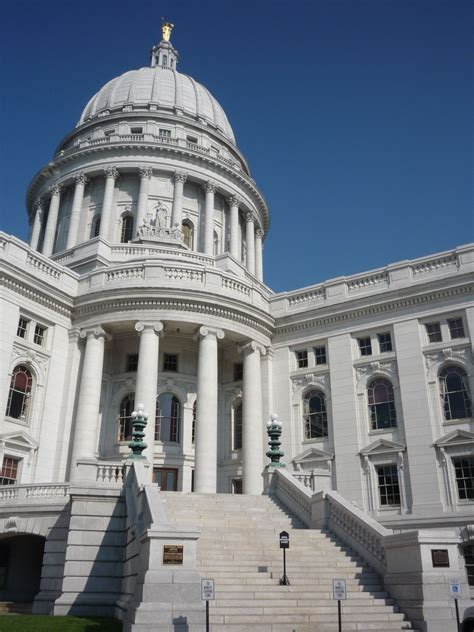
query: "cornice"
388, 305
24, 289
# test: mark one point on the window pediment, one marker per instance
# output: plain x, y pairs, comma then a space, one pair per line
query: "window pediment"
455, 438
311, 455
20, 441
382, 446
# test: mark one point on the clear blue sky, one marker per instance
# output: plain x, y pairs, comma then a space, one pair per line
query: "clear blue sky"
355, 115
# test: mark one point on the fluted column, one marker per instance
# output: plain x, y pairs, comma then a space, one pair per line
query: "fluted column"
87, 417
252, 433
111, 174
179, 178
51, 222
145, 176
147, 379
250, 242
258, 254
81, 181
37, 223
205, 472
209, 189
234, 226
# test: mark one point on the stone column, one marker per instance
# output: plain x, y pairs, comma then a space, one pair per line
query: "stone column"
209, 189
179, 178
234, 226
259, 254
142, 207
147, 379
51, 222
111, 174
250, 242
87, 416
205, 472
81, 181
252, 421
37, 223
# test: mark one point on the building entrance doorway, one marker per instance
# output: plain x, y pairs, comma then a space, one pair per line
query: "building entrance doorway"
21, 560
166, 478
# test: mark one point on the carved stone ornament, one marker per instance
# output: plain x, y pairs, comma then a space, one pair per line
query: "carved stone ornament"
55, 189
209, 331
111, 172
249, 217
11, 525
157, 327
95, 332
157, 226
435, 359
145, 172
233, 200
209, 187
30, 356
250, 347
80, 178
180, 176
39, 205
259, 233
366, 370
309, 379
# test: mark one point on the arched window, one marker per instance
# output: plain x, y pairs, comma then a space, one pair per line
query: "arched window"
216, 244
125, 418
188, 233
193, 430
165, 60
126, 234
19, 394
237, 429
168, 415
381, 404
314, 415
95, 227
455, 393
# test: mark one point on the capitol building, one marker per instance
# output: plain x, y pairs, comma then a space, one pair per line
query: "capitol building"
142, 290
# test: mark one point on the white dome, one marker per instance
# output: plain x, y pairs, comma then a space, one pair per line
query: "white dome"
162, 87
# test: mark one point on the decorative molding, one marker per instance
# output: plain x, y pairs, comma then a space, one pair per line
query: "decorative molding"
249, 218
436, 358
25, 291
94, 332
156, 326
299, 382
251, 347
259, 233
55, 189
38, 205
80, 178
145, 172
180, 176
234, 200
204, 331
363, 371
382, 446
209, 186
111, 172
28, 355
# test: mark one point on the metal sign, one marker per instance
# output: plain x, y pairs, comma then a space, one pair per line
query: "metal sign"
173, 554
207, 590
284, 540
455, 588
339, 589
440, 558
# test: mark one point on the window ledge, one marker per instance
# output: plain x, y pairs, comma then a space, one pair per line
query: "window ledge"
379, 357
445, 344
14, 420
461, 420
382, 430
315, 440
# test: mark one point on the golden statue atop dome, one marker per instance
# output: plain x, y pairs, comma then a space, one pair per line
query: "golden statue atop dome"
166, 28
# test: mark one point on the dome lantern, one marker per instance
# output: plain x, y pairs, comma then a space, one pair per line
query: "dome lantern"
164, 54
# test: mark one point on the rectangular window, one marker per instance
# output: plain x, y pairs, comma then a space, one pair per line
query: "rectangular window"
170, 362
136, 130
237, 487
132, 362
320, 355
365, 346
385, 342
456, 328
38, 338
9, 473
302, 359
215, 149
433, 331
164, 133
389, 488
238, 371
468, 552
192, 139
22, 327
464, 469
109, 132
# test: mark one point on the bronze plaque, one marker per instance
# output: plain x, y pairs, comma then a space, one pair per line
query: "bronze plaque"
440, 558
173, 554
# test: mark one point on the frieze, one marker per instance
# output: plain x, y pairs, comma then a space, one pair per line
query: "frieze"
31, 356
366, 370
310, 379
437, 358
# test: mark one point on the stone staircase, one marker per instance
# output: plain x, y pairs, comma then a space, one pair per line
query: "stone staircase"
239, 549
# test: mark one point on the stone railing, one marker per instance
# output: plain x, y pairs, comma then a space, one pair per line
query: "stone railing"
307, 297
308, 479
429, 266
40, 492
367, 282
110, 472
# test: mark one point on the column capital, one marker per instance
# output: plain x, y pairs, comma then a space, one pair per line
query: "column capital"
234, 200
55, 189
204, 331
180, 176
157, 327
80, 178
111, 172
38, 205
250, 347
249, 218
209, 186
259, 233
145, 172
94, 332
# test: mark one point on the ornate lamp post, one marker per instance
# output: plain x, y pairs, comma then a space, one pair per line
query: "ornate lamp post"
274, 428
139, 421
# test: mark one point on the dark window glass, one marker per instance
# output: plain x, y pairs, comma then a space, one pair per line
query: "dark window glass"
9, 473
170, 362
455, 393
20, 393
314, 415
126, 234
168, 415
433, 331
95, 228
136, 130
132, 362
237, 435
193, 429
320, 355
188, 233
389, 488
22, 327
164, 133
38, 337
464, 469
237, 487
381, 404
238, 371
125, 418
4, 554
302, 359
456, 328
385, 342
365, 346
469, 562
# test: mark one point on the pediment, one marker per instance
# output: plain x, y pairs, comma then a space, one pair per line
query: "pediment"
454, 438
19, 440
311, 455
382, 446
